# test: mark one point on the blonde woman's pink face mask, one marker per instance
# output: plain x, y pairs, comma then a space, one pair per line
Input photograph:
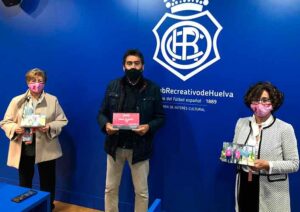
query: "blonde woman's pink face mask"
36, 87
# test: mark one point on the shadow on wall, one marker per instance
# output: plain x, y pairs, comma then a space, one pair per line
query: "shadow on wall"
66, 164
32, 7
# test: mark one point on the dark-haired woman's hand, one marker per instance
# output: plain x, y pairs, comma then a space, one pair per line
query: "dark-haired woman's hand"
261, 165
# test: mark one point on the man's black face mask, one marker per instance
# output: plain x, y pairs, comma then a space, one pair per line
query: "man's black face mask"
133, 74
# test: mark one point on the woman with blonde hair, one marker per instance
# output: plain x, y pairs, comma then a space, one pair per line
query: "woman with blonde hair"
32, 123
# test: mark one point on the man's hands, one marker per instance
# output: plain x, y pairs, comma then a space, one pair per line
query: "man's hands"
141, 129
110, 130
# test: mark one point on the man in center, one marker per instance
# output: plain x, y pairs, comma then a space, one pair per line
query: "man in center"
131, 93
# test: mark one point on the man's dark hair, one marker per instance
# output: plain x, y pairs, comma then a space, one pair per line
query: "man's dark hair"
255, 91
133, 52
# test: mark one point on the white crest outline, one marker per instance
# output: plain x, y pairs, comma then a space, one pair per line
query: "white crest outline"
184, 18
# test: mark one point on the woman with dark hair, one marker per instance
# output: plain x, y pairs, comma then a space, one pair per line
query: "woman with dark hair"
265, 186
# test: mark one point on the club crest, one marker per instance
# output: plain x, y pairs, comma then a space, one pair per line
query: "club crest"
186, 38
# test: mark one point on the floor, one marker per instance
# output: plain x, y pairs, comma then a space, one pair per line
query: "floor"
65, 207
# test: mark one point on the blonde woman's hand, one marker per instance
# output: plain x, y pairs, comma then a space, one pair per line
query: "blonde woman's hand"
44, 129
19, 130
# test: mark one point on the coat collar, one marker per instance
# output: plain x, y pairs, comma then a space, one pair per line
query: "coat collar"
26, 96
142, 84
266, 124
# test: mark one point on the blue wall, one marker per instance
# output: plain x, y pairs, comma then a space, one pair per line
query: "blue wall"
81, 43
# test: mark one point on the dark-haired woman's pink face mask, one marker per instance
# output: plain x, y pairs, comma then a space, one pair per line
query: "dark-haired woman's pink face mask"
261, 110
262, 107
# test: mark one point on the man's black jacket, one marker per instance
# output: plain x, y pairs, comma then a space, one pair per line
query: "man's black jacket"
149, 106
